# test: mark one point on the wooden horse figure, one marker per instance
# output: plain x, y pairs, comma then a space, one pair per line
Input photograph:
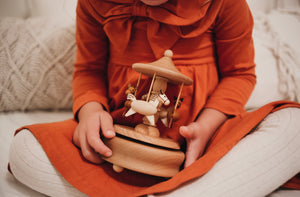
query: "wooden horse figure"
148, 109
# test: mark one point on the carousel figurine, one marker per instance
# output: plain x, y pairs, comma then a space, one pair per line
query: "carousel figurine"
141, 148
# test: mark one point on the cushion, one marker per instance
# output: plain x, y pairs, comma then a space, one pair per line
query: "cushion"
62, 12
277, 59
266, 89
285, 25
36, 64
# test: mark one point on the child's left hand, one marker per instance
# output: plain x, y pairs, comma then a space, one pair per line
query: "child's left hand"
196, 140
198, 133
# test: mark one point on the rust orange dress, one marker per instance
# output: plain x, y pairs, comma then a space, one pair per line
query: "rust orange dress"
212, 44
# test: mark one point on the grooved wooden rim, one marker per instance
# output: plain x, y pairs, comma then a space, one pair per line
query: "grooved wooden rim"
157, 141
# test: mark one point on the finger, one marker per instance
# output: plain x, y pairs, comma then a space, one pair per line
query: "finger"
189, 155
194, 144
88, 152
193, 152
107, 127
94, 140
184, 131
76, 138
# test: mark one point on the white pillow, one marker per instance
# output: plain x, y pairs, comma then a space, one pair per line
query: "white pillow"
266, 89
15, 8
62, 12
285, 27
36, 64
276, 41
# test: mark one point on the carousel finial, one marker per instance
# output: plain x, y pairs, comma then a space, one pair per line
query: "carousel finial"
168, 53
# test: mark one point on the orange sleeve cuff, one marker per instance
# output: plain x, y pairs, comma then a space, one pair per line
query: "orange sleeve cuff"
89, 97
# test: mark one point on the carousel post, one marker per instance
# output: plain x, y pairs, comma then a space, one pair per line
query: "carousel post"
176, 104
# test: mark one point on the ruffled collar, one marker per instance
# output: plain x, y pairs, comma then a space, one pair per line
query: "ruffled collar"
172, 20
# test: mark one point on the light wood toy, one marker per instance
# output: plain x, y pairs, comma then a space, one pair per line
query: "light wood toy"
141, 148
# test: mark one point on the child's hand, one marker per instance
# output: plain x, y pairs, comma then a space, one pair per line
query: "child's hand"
198, 133
196, 140
93, 122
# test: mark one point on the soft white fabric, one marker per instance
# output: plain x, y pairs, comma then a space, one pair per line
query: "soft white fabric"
14, 8
277, 57
266, 89
62, 12
285, 27
266, 6
36, 64
9, 122
31, 166
285, 193
257, 165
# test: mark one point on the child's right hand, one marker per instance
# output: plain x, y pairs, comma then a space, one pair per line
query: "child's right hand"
93, 122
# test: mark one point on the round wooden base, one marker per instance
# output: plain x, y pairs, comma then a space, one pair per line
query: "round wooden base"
138, 152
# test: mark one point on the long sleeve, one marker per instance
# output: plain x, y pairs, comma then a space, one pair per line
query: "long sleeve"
235, 56
89, 78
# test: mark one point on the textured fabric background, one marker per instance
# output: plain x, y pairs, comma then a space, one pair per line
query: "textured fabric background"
36, 64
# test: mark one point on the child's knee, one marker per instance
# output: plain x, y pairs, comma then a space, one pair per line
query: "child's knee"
287, 119
31, 166
279, 128
25, 155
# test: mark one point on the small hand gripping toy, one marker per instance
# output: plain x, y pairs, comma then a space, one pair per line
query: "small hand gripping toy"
141, 148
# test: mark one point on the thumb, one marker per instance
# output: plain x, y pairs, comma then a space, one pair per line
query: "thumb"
186, 132
194, 145
193, 152
107, 126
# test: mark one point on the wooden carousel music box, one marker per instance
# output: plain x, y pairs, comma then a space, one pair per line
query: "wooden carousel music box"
141, 148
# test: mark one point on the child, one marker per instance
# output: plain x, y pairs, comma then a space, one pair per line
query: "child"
212, 44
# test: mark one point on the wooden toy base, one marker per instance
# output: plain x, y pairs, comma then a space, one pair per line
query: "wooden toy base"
142, 153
